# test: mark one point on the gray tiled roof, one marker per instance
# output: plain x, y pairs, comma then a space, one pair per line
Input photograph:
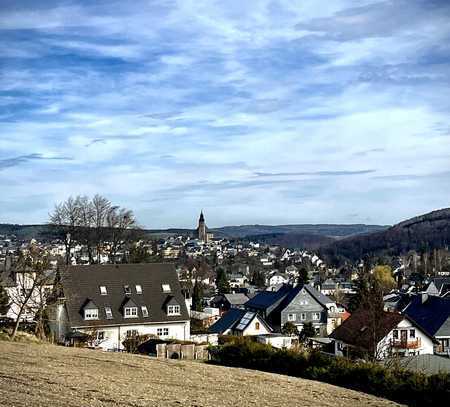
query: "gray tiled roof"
81, 284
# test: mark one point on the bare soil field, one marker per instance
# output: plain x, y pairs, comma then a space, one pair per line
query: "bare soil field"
45, 375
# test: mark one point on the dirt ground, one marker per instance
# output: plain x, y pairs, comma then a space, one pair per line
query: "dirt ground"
45, 375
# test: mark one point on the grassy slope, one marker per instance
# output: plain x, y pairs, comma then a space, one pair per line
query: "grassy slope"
44, 375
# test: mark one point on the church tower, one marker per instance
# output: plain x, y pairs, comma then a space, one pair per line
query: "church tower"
201, 230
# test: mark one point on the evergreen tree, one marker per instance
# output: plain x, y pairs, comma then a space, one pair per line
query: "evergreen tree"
4, 301
303, 277
289, 329
307, 332
197, 296
222, 284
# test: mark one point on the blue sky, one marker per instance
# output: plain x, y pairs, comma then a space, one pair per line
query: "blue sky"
256, 111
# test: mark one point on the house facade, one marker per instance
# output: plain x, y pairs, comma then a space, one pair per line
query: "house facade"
380, 336
240, 323
110, 303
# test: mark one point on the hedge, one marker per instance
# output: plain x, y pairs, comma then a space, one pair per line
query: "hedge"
414, 389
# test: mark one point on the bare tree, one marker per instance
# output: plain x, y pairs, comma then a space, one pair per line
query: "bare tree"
32, 275
66, 216
121, 223
97, 224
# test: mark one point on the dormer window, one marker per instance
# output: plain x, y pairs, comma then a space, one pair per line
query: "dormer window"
127, 289
108, 312
166, 288
130, 312
138, 289
90, 310
144, 311
173, 310
103, 290
91, 313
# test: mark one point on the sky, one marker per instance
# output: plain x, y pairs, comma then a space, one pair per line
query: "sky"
258, 111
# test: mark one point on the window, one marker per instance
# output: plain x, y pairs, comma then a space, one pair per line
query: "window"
316, 316
173, 310
131, 312
127, 289
166, 288
138, 289
91, 313
103, 290
303, 316
257, 326
100, 336
131, 333
303, 302
412, 333
395, 334
108, 312
144, 311
292, 317
162, 331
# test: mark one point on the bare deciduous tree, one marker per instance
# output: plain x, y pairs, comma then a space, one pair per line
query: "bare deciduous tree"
33, 276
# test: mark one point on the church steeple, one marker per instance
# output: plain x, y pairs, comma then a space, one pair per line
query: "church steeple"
202, 233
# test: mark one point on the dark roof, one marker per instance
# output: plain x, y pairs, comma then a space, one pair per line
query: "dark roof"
432, 314
81, 284
358, 331
318, 296
265, 299
228, 320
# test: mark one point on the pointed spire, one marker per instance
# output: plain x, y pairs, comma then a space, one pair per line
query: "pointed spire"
202, 219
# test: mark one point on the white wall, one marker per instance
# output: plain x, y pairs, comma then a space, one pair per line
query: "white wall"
114, 336
426, 345
251, 329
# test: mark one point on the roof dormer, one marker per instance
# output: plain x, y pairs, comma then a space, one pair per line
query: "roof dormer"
90, 311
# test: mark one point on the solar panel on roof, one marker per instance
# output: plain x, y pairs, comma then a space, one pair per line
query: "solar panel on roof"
245, 320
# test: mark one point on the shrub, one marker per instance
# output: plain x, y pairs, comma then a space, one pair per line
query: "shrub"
414, 389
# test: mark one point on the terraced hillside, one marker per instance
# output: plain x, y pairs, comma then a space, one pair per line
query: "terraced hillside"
44, 375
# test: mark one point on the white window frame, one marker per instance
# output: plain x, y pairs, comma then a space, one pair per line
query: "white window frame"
130, 312
302, 316
316, 316
100, 336
108, 312
166, 288
173, 310
103, 290
292, 317
138, 289
144, 311
91, 314
162, 331
132, 333
127, 289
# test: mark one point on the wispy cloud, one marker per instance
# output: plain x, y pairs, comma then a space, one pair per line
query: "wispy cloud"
262, 111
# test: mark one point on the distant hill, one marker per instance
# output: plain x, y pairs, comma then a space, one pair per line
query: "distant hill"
273, 234
333, 231
425, 232
306, 241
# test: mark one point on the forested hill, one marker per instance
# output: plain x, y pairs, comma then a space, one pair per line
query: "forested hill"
327, 230
272, 234
422, 233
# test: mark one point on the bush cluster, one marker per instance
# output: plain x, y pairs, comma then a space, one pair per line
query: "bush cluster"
414, 389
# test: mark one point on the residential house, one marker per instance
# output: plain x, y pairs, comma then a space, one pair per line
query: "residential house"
227, 301
112, 302
389, 333
298, 305
432, 313
240, 323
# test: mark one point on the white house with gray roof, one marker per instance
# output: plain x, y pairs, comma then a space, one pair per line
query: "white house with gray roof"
112, 302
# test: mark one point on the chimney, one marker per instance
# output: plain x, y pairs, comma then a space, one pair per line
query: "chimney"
424, 297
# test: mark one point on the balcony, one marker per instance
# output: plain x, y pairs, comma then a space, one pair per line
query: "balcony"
406, 344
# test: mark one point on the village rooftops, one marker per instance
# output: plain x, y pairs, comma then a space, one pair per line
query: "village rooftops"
122, 294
